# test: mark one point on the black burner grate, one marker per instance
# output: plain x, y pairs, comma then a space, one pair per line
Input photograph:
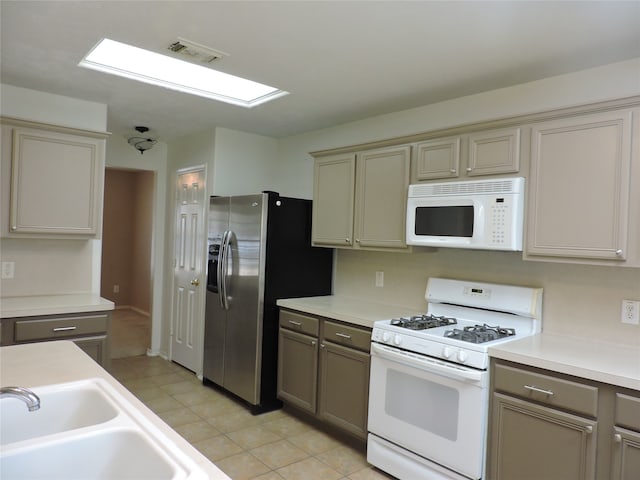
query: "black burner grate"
423, 322
479, 333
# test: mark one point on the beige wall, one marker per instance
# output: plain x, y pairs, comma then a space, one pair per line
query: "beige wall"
126, 242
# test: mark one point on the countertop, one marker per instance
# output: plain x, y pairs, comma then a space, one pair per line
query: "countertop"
347, 309
582, 357
23, 365
30, 306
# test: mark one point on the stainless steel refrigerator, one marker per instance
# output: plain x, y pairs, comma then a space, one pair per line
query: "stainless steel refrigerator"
259, 251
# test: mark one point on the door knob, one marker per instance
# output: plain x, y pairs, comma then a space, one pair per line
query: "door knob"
195, 282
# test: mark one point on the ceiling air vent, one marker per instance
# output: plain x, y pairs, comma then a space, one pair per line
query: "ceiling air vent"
196, 52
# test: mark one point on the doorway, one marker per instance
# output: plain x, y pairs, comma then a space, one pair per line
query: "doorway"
126, 258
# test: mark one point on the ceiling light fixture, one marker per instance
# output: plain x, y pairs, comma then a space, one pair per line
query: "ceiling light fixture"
142, 142
145, 66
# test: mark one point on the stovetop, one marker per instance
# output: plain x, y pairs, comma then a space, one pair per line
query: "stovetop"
463, 320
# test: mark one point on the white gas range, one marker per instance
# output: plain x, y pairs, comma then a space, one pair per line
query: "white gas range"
429, 377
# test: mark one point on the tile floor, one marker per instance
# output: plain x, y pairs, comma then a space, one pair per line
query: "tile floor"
278, 445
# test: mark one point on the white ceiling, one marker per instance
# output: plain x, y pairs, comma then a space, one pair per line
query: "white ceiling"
341, 60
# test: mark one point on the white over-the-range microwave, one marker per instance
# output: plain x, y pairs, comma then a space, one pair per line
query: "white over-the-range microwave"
478, 214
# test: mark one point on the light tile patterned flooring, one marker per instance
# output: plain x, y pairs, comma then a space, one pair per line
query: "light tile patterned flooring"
277, 445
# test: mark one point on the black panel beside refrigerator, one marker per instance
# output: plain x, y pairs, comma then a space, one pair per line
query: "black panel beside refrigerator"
259, 251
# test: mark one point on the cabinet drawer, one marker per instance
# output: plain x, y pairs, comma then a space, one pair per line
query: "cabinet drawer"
51, 328
545, 389
299, 323
346, 335
628, 412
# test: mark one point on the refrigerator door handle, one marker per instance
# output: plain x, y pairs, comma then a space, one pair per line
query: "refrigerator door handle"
222, 271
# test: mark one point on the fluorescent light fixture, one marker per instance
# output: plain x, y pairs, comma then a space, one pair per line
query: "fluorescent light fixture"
136, 63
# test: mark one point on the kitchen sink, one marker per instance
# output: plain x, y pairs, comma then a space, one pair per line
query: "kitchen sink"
109, 454
87, 430
62, 407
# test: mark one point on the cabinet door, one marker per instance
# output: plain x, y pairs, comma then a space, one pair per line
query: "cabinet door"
626, 455
333, 199
382, 178
344, 388
297, 369
97, 348
55, 183
494, 152
437, 159
579, 187
532, 442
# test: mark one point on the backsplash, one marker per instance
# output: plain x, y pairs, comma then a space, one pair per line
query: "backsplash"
580, 300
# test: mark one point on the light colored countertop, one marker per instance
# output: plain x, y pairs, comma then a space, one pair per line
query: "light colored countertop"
30, 306
39, 364
347, 309
586, 358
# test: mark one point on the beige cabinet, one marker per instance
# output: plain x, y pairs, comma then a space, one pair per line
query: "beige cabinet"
542, 427
298, 360
90, 331
490, 152
344, 377
359, 200
625, 458
330, 382
55, 181
579, 188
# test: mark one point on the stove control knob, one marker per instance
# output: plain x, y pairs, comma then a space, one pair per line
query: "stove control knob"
386, 336
446, 352
397, 339
462, 356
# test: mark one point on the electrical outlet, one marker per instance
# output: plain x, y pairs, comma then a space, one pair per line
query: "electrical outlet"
630, 312
8, 270
379, 279
116, 289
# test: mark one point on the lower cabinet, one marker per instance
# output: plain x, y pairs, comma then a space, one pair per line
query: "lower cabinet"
323, 369
546, 425
625, 458
90, 331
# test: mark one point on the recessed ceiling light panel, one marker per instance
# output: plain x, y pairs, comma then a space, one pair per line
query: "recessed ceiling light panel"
145, 66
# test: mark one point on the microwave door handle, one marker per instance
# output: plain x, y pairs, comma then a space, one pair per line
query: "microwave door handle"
427, 364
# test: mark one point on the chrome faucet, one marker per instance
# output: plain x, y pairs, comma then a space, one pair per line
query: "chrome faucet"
27, 396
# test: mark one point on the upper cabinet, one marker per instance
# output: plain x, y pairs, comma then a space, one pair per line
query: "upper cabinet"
359, 200
489, 152
579, 188
55, 181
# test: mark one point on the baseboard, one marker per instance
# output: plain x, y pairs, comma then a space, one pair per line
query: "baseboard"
131, 307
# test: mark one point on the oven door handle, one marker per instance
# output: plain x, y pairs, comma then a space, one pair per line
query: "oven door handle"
427, 363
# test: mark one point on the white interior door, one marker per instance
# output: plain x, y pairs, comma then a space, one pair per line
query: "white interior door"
187, 319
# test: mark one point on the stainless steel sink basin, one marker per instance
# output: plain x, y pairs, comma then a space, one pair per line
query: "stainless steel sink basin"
62, 408
116, 454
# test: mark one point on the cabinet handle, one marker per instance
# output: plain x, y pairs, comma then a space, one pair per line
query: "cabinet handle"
343, 335
346, 239
313, 342
617, 438
469, 169
618, 253
453, 170
357, 240
588, 429
322, 345
539, 390
297, 324
64, 329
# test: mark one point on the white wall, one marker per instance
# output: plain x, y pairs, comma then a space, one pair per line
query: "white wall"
583, 298
244, 164
47, 267
602, 83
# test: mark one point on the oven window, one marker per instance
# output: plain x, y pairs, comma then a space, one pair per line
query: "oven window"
453, 221
425, 404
